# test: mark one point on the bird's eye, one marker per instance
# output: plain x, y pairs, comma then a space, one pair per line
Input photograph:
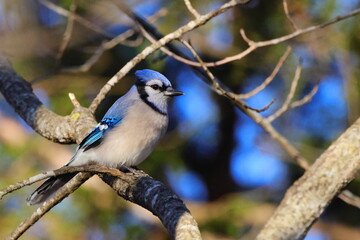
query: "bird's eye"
155, 86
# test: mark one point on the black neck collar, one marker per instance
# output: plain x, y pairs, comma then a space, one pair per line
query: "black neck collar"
144, 96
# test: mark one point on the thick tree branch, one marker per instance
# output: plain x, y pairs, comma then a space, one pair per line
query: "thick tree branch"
346, 195
19, 94
312, 193
137, 187
157, 198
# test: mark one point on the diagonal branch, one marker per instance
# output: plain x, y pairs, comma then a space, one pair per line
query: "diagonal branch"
311, 194
254, 45
346, 195
155, 46
290, 96
20, 96
65, 191
67, 34
137, 187
79, 19
269, 79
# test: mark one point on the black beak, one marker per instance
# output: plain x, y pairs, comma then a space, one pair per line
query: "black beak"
172, 92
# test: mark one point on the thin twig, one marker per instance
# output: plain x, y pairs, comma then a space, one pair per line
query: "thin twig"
79, 19
93, 168
73, 100
216, 86
307, 98
290, 96
246, 39
255, 45
155, 46
263, 122
274, 41
350, 198
191, 9
67, 34
65, 191
107, 45
269, 79
286, 11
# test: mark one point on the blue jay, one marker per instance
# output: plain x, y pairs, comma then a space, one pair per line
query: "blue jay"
126, 135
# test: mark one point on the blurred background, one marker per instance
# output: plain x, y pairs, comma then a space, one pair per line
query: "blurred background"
229, 171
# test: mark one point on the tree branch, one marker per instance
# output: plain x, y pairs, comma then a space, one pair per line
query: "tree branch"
157, 198
254, 45
309, 196
19, 94
137, 187
65, 191
155, 46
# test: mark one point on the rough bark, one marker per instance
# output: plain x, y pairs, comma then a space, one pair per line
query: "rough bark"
308, 197
139, 189
19, 94
162, 202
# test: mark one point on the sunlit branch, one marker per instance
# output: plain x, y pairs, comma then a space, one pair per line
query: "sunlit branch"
308, 197
107, 45
73, 100
268, 127
307, 98
215, 84
256, 45
94, 168
191, 9
269, 79
65, 191
286, 105
253, 45
155, 46
286, 11
134, 187
79, 19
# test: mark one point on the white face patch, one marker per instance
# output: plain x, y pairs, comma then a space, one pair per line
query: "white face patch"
155, 89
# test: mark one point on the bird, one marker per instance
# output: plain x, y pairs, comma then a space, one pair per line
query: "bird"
126, 135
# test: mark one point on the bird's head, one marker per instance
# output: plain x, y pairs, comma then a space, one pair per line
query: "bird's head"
155, 89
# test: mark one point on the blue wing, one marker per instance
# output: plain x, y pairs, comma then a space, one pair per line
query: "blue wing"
111, 119
95, 137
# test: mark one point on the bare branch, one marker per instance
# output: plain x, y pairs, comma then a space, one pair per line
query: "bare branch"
162, 202
79, 19
269, 79
136, 186
274, 41
73, 100
93, 168
307, 98
284, 143
107, 45
65, 191
19, 94
350, 198
331, 172
286, 11
155, 46
191, 9
246, 39
290, 96
67, 34
253, 45
165, 204
216, 86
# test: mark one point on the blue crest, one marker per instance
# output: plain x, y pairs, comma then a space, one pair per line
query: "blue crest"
146, 74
